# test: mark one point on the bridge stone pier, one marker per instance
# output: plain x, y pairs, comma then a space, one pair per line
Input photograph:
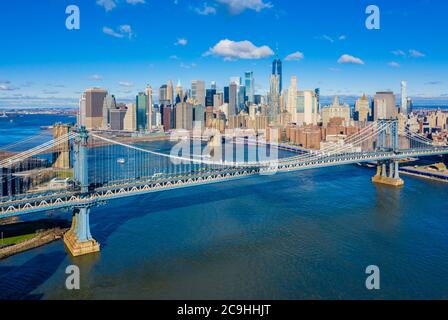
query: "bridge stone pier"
391, 178
78, 239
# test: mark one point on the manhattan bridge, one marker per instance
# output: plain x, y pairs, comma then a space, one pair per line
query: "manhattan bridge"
77, 169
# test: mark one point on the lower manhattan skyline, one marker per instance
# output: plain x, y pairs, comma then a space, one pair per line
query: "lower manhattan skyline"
223, 159
329, 49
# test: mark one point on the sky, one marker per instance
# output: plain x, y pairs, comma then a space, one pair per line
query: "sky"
124, 45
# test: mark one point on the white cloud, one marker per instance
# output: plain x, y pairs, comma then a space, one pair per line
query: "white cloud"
296, 56
181, 42
108, 5
126, 84
238, 6
123, 31
188, 66
232, 50
96, 77
174, 57
343, 37
205, 10
399, 53
394, 64
7, 87
133, 2
346, 58
416, 54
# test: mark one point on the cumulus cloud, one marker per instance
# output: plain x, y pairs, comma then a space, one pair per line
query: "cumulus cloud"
399, 53
181, 42
346, 58
411, 53
233, 50
108, 5
238, 6
126, 84
133, 2
205, 10
296, 56
123, 31
416, 54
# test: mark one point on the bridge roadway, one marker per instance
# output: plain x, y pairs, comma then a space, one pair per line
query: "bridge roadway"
48, 201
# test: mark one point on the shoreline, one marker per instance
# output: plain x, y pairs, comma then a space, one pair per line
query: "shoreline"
39, 240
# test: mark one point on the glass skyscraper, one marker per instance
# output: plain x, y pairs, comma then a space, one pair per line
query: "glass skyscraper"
250, 85
141, 111
277, 71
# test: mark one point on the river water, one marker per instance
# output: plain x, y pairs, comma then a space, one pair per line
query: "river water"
306, 235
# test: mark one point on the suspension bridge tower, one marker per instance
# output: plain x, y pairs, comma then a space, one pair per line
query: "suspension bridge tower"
388, 170
78, 239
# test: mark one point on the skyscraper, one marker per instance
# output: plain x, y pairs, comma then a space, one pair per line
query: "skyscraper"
277, 71
184, 116
108, 105
233, 99
149, 108
163, 94
91, 108
404, 98
210, 93
142, 115
384, 106
130, 119
198, 92
226, 94
274, 98
170, 92
250, 86
179, 93
291, 105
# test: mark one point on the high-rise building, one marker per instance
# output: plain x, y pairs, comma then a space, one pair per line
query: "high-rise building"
210, 93
291, 105
149, 108
130, 119
108, 105
362, 109
213, 85
249, 82
306, 108
274, 98
233, 99
241, 98
198, 92
226, 95
336, 110
170, 92
384, 106
218, 100
117, 119
277, 71
184, 116
404, 98
142, 114
163, 93
179, 93
91, 108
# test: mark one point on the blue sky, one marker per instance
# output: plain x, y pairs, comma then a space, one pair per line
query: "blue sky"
123, 45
